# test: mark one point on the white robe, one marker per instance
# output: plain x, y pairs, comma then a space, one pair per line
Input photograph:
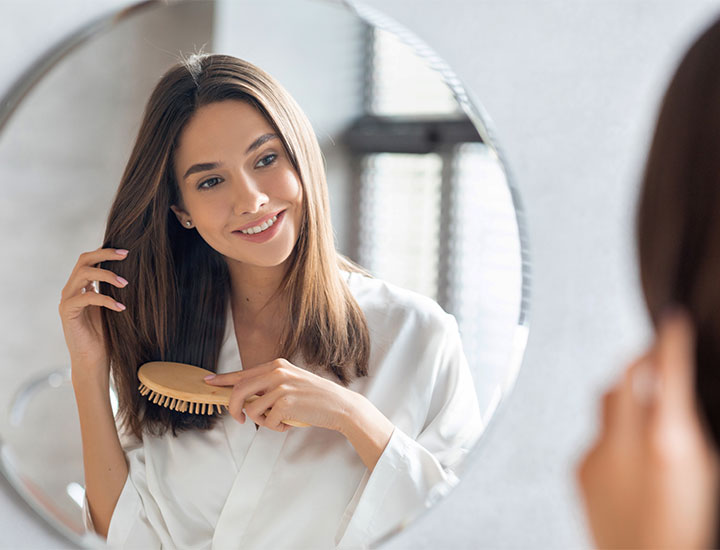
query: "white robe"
235, 487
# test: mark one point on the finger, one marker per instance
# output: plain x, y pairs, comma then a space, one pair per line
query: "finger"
239, 397
95, 257
236, 407
85, 276
644, 380
250, 389
675, 358
274, 422
72, 308
279, 414
257, 408
675, 422
597, 497
227, 378
621, 415
586, 470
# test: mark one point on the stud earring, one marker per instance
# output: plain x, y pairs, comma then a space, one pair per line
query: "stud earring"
188, 223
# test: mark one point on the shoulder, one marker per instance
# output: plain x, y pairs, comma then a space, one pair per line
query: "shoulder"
389, 308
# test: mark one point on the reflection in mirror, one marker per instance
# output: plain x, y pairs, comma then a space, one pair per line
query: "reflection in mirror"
418, 197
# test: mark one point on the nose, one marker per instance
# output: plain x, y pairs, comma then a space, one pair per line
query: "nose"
249, 197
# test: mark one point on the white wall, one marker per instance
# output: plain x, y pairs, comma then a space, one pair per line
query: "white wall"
572, 88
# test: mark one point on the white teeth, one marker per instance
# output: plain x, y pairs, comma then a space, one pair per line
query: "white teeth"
259, 228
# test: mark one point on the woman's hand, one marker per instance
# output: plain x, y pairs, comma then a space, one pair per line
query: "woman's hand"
288, 392
651, 479
80, 308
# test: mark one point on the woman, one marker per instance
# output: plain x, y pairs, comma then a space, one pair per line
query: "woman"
219, 253
651, 479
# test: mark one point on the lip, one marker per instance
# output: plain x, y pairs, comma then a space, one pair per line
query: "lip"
266, 235
258, 222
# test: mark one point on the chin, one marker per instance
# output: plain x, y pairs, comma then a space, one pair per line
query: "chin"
265, 255
270, 263
262, 260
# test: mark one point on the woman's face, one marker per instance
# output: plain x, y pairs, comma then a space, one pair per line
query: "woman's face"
238, 186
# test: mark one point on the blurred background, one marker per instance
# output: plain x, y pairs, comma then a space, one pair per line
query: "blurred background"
572, 88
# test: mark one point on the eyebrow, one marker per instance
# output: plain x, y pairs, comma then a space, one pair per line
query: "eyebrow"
205, 166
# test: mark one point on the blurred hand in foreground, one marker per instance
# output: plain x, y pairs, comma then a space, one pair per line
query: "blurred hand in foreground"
651, 478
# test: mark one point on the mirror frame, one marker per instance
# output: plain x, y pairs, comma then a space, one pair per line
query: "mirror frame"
474, 110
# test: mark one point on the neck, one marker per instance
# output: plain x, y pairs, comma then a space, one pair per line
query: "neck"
254, 295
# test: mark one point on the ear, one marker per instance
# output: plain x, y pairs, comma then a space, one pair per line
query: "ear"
180, 214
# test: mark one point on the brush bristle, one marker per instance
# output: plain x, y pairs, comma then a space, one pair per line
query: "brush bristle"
175, 404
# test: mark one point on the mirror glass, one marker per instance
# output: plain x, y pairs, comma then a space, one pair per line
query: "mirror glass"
419, 193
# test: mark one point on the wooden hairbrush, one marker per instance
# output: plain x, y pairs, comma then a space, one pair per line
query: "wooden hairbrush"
181, 387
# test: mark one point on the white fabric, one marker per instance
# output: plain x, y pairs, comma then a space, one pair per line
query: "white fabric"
238, 487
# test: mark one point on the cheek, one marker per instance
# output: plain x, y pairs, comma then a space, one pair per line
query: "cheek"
287, 189
210, 210
298, 192
292, 188
298, 202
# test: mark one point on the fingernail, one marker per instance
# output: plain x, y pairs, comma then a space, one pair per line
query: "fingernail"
209, 377
121, 251
120, 306
121, 280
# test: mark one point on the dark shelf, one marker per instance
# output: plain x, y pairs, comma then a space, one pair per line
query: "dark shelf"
417, 135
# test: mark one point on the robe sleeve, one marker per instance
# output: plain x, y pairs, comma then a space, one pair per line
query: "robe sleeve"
129, 525
413, 472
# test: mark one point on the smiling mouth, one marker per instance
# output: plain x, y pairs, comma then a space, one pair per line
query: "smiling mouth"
260, 228
264, 226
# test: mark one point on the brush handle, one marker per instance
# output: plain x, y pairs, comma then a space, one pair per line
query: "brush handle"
182, 387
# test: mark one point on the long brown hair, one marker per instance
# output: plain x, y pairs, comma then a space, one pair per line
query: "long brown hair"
678, 223
180, 287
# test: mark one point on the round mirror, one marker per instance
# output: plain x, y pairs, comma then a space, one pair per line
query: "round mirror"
420, 197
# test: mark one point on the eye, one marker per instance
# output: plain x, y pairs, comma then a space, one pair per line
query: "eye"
208, 183
266, 160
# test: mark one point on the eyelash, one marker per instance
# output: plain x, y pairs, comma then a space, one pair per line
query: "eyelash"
271, 161
271, 156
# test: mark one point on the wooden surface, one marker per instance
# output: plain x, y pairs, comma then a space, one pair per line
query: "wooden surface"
182, 387
181, 381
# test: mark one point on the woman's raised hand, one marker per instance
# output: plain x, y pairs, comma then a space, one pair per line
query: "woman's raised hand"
286, 392
80, 308
651, 478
